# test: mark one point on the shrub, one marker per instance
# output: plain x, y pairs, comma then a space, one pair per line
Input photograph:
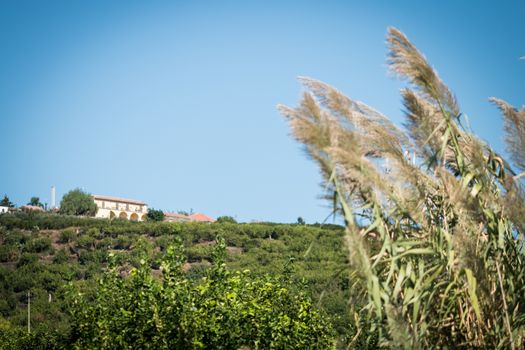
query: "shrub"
66, 236
61, 257
85, 242
226, 219
123, 242
235, 240
163, 242
38, 245
9, 253
87, 257
94, 232
16, 237
198, 271
24, 281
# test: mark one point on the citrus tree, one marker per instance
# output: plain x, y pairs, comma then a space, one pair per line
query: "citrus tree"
223, 310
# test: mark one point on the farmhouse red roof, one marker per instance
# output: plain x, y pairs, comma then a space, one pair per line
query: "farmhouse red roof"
201, 217
194, 217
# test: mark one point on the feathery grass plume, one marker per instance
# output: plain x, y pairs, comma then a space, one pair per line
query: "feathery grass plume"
435, 239
514, 127
406, 61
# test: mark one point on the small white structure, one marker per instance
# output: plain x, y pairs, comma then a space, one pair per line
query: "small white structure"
114, 207
3, 209
53, 198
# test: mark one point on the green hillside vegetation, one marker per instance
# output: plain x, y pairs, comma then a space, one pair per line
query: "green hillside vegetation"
51, 255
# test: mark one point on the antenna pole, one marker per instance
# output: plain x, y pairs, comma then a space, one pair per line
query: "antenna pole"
28, 312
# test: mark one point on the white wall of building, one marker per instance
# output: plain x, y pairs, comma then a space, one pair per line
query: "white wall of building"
112, 209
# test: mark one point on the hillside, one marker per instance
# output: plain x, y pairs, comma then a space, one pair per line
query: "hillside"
42, 253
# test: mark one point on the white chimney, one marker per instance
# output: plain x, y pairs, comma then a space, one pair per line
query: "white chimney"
53, 196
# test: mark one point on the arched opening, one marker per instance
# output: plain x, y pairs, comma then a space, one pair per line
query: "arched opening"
112, 215
134, 217
144, 217
123, 215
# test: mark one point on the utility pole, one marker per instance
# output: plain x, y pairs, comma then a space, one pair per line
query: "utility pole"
28, 312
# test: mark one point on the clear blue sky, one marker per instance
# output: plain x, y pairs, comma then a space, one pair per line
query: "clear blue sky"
174, 102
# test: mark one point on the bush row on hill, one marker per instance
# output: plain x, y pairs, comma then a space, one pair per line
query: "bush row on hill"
42, 253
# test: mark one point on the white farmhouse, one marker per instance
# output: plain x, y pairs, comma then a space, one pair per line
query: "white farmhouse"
3, 209
114, 207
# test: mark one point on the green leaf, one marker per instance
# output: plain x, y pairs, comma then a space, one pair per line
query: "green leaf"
472, 285
502, 229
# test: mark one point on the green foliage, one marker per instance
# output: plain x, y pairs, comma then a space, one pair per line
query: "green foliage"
435, 217
27, 259
85, 242
36, 202
83, 245
123, 242
5, 202
78, 202
94, 232
224, 310
226, 219
16, 338
38, 245
155, 215
9, 253
68, 235
61, 257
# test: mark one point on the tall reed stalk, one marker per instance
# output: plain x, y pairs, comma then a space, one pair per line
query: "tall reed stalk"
434, 216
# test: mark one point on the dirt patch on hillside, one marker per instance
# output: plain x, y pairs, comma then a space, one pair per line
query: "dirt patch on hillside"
204, 244
234, 250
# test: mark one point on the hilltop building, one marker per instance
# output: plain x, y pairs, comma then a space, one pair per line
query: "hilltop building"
175, 217
3, 209
114, 207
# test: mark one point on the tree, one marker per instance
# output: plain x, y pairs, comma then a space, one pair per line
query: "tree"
5, 202
35, 201
228, 219
436, 242
225, 310
300, 221
78, 202
155, 215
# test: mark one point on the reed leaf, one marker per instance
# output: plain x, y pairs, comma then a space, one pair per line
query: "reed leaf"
435, 218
